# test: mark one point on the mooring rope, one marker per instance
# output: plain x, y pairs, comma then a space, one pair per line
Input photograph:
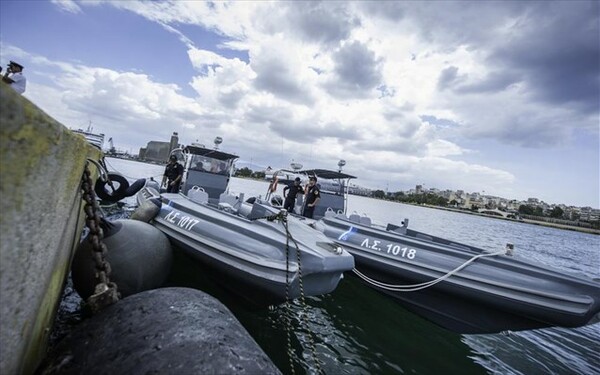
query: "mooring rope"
427, 284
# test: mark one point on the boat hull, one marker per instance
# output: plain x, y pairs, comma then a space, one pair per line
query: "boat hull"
490, 295
249, 256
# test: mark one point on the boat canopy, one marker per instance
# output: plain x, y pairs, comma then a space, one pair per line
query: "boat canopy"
326, 174
215, 154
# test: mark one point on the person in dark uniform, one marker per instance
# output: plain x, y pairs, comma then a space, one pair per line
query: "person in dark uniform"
313, 195
174, 173
290, 198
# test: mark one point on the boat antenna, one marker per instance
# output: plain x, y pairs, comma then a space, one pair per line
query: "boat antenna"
341, 164
218, 141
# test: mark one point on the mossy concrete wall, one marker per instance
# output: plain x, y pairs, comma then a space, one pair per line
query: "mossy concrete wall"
41, 218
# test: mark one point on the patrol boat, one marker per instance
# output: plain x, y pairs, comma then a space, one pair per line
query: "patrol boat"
460, 287
256, 249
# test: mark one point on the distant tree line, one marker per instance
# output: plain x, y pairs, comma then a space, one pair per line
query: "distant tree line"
248, 173
428, 198
556, 212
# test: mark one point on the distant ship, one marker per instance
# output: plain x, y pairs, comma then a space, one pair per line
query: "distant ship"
94, 139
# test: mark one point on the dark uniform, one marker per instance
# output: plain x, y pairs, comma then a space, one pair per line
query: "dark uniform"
172, 171
290, 199
311, 195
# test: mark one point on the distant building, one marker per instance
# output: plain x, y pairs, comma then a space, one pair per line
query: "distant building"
174, 142
159, 151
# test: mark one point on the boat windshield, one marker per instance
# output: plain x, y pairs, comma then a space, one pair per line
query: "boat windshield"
207, 164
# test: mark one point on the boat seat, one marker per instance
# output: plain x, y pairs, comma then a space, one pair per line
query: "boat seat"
365, 220
198, 195
329, 212
355, 218
229, 199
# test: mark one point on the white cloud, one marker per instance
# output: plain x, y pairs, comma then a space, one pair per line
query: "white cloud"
67, 5
356, 88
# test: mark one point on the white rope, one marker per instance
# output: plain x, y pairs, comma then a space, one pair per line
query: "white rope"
416, 287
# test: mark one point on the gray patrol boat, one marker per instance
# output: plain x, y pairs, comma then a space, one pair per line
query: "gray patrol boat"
460, 287
257, 250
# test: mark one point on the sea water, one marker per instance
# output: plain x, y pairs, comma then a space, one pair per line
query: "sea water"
357, 330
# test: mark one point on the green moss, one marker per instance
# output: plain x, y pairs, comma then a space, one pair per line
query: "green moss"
36, 346
40, 172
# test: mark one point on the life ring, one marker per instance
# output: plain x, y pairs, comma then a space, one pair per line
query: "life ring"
107, 193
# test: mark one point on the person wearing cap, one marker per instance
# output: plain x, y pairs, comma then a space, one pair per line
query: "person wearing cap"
14, 77
290, 198
313, 195
174, 173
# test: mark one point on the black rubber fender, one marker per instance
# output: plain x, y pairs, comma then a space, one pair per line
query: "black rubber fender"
135, 187
106, 193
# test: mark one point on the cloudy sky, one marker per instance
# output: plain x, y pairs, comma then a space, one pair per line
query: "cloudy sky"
494, 97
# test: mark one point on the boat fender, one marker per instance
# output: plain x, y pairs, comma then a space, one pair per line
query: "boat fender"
159, 331
115, 193
135, 187
147, 210
139, 255
152, 183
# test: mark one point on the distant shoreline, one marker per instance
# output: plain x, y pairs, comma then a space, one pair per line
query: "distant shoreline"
526, 221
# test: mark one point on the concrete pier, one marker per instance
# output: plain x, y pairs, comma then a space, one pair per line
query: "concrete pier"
41, 164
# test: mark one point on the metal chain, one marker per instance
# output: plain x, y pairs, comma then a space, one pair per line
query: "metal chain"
282, 215
105, 292
304, 306
288, 307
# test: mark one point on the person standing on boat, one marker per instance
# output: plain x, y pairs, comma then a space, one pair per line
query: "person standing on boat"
290, 198
313, 195
174, 173
14, 77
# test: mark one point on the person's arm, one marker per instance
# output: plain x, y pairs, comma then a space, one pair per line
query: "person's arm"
7, 79
285, 189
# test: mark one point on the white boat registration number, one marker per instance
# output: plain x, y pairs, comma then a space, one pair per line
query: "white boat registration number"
182, 221
389, 248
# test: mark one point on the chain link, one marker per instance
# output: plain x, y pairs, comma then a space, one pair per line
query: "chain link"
288, 307
304, 306
105, 292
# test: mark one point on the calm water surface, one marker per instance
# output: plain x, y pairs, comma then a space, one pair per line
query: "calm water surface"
359, 331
